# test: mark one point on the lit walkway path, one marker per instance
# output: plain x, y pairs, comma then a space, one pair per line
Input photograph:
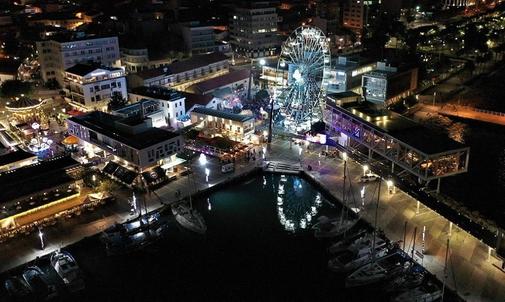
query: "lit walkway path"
471, 270
466, 113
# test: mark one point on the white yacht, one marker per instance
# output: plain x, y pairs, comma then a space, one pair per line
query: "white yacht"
379, 269
189, 218
356, 256
66, 267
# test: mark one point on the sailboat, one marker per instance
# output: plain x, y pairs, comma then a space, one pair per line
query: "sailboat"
382, 268
188, 217
327, 227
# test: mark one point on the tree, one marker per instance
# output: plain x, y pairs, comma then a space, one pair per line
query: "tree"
116, 101
14, 88
108, 186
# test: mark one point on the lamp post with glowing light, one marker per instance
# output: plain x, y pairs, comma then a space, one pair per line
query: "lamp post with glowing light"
365, 169
391, 186
207, 173
41, 237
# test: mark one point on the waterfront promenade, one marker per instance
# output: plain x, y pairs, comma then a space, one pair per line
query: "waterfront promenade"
471, 269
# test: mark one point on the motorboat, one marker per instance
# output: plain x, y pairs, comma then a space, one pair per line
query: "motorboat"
189, 218
358, 255
68, 270
39, 285
379, 269
335, 229
426, 292
17, 288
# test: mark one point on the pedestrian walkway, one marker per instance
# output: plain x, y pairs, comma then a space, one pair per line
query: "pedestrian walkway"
472, 271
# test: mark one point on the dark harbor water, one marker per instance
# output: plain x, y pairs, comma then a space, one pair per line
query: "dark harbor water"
253, 251
483, 187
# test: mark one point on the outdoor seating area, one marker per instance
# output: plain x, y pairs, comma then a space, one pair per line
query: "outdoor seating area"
89, 204
120, 173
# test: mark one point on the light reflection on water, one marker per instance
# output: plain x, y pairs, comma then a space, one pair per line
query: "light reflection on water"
295, 207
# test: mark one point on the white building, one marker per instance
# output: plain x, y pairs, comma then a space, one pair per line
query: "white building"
133, 139
55, 56
253, 29
170, 102
90, 88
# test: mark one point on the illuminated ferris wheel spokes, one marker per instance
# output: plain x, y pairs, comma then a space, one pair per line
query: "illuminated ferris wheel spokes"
306, 57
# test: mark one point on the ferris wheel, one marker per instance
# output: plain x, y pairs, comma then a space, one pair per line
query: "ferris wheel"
304, 67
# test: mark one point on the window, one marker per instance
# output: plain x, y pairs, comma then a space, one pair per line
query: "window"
113, 84
119, 84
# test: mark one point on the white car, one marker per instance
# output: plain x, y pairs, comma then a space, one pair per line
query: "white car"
369, 177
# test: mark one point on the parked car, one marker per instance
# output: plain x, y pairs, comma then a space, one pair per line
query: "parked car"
369, 177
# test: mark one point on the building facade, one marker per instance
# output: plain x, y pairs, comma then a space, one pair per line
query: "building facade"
137, 59
182, 74
346, 73
55, 56
170, 102
132, 139
386, 85
253, 29
90, 88
221, 123
359, 13
198, 38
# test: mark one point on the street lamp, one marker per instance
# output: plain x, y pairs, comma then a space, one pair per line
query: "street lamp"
207, 173
41, 237
202, 159
391, 186
344, 156
365, 169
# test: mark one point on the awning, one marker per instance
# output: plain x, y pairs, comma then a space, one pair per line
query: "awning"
70, 140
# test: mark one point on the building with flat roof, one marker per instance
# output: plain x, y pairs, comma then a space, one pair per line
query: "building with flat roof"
346, 72
213, 123
135, 59
171, 103
60, 53
90, 87
131, 139
386, 85
198, 38
408, 145
237, 81
37, 191
16, 159
253, 29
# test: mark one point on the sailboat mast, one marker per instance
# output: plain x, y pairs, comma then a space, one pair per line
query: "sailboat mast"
375, 219
445, 269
